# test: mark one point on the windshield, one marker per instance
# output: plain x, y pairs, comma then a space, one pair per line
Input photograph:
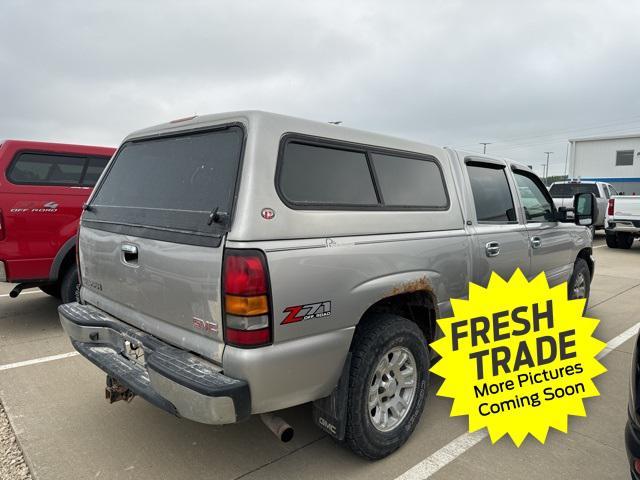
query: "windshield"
568, 190
170, 184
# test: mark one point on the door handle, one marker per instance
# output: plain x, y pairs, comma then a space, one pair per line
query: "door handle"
492, 249
536, 242
129, 252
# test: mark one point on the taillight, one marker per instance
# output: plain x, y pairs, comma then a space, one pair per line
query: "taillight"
247, 315
1, 226
611, 206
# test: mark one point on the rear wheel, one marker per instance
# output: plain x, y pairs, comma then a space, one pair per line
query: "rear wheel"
69, 285
52, 289
387, 385
612, 240
624, 240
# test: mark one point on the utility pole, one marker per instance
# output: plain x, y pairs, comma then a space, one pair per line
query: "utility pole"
547, 170
484, 146
544, 173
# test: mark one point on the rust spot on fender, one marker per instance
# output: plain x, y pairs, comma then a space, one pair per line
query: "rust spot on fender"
421, 284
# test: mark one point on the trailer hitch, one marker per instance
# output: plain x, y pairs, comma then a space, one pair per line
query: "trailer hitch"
114, 392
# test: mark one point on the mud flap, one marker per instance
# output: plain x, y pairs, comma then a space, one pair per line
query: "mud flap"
330, 413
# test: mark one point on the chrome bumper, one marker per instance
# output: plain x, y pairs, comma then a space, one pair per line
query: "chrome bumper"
168, 377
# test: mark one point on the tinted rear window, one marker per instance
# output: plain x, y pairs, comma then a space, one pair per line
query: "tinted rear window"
317, 175
409, 181
171, 183
491, 194
568, 190
32, 168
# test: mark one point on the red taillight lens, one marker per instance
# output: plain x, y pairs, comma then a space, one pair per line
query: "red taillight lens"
611, 206
244, 275
1, 226
246, 299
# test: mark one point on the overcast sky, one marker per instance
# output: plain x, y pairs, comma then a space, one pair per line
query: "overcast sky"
526, 74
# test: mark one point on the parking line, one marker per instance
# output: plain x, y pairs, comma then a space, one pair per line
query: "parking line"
35, 361
455, 448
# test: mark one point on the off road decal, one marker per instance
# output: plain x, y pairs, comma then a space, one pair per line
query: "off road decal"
298, 313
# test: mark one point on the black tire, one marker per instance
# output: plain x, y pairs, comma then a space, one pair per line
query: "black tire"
52, 289
378, 335
69, 285
612, 240
624, 240
581, 276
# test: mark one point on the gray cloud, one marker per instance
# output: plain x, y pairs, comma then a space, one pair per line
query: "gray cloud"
444, 72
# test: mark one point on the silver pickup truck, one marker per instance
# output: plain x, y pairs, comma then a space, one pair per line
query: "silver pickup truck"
242, 263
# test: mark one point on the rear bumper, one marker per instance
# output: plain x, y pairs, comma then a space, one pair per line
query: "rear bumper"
170, 378
631, 226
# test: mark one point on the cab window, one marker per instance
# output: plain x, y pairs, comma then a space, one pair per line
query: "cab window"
491, 193
537, 207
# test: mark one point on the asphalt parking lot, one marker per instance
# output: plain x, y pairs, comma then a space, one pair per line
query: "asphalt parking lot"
67, 429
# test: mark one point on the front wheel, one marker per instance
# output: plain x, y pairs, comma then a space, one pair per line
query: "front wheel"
387, 385
580, 282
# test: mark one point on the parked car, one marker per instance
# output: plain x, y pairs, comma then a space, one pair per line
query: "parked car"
622, 221
632, 429
563, 193
42, 189
243, 263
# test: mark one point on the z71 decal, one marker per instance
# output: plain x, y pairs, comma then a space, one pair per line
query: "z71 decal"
298, 313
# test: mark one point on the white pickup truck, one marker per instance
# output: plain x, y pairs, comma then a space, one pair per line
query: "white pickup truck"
563, 193
622, 223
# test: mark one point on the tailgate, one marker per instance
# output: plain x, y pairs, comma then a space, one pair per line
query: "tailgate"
151, 242
626, 208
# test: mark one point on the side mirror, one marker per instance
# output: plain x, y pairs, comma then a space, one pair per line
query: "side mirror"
565, 215
586, 209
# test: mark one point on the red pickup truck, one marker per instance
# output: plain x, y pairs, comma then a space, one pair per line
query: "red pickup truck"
42, 189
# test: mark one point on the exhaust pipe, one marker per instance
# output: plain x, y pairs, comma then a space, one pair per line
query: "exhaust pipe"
278, 427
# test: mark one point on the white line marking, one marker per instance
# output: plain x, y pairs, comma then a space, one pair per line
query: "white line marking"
444, 456
619, 340
455, 448
23, 293
35, 361
599, 246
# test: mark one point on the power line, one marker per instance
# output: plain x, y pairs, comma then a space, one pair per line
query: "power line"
562, 131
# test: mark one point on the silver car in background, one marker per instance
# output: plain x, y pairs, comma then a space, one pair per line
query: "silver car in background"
242, 263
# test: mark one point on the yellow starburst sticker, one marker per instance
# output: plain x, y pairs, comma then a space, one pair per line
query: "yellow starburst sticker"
518, 357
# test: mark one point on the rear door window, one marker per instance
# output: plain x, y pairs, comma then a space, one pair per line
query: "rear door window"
491, 194
317, 175
409, 182
170, 188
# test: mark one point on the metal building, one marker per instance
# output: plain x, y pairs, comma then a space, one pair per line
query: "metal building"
612, 159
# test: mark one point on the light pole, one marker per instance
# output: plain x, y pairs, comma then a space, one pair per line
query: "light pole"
544, 173
547, 170
484, 146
